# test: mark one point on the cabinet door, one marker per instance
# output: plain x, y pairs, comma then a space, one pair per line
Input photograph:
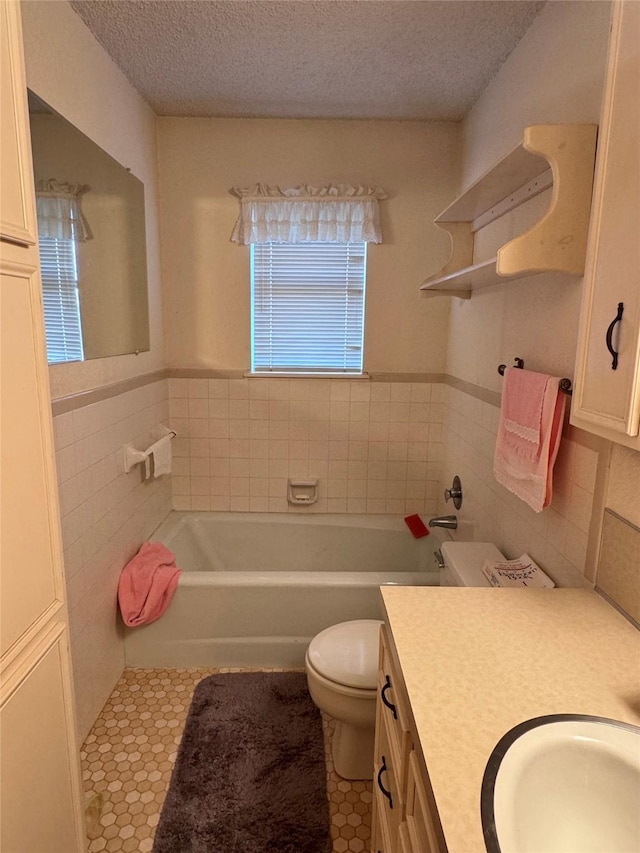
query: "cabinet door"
386, 792
29, 552
39, 786
607, 400
420, 825
17, 213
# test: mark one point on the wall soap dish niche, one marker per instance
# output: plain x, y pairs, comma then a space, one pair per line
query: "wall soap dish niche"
302, 492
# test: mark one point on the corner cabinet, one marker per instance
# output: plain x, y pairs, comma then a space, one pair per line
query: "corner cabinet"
606, 399
555, 157
40, 784
404, 817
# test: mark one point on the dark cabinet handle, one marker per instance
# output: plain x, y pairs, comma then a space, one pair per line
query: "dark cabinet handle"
612, 325
385, 701
383, 769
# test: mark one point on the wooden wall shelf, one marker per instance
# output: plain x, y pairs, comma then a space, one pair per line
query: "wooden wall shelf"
557, 155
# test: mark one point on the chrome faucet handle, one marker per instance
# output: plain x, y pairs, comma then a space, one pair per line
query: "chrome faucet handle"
454, 493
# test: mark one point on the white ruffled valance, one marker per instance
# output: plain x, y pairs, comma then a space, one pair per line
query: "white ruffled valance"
59, 211
332, 214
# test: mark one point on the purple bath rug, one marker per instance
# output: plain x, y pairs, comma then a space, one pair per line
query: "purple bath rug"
250, 773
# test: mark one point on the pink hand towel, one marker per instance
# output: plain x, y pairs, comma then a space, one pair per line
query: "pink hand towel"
147, 584
529, 431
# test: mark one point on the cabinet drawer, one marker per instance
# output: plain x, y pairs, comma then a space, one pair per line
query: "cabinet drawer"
420, 826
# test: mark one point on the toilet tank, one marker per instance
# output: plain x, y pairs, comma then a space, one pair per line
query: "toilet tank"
462, 563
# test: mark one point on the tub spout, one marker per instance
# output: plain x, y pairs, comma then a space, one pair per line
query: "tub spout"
450, 522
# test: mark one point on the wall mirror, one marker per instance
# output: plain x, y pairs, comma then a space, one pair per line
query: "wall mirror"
91, 227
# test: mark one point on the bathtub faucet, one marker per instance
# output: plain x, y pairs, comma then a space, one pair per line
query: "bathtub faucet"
450, 522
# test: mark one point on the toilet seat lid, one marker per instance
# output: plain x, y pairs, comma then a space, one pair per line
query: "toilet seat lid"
347, 653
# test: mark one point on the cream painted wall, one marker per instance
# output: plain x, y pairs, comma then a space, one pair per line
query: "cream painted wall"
206, 278
69, 70
555, 74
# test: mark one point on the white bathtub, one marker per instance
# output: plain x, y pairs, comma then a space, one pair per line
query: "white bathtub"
257, 587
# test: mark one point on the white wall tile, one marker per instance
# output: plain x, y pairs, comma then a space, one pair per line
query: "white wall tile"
197, 388
238, 389
279, 428
218, 389
105, 516
360, 392
380, 392
559, 534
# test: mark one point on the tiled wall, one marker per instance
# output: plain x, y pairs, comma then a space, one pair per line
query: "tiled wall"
374, 446
556, 538
619, 565
106, 514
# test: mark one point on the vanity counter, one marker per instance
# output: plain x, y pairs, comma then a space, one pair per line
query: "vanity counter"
476, 662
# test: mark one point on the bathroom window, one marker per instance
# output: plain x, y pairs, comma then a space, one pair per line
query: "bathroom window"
307, 307
59, 272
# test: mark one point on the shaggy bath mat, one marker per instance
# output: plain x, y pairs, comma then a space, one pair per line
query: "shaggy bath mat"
250, 774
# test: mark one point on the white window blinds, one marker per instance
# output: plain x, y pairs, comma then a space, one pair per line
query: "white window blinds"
308, 306
60, 298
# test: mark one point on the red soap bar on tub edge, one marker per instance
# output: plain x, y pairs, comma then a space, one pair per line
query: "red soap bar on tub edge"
416, 525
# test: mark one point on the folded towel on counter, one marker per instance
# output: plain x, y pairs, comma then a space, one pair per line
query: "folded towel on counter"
529, 432
516, 573
147, 584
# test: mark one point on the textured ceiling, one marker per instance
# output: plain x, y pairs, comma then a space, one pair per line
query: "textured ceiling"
384, 59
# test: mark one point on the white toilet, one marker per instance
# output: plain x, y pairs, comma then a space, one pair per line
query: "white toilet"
461, 563
342, 673
342, 665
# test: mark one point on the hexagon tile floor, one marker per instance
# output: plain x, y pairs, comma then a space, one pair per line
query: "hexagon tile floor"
128, 757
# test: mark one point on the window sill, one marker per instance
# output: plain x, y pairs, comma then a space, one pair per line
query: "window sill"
272, 374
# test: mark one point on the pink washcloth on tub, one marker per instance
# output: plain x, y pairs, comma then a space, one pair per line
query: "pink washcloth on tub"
147, 584
529, 432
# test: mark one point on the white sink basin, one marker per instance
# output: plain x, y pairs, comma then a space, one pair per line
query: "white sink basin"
564, 784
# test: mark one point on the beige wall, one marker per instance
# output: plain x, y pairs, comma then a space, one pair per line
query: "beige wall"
555, 74
206, 278
69, 70
106, 515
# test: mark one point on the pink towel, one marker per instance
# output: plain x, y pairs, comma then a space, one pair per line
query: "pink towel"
147, 584
529, 432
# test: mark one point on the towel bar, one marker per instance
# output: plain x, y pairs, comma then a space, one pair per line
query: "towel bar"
565, 384
132, 456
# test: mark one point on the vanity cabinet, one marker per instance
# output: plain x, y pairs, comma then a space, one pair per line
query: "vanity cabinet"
508, 215
606, 399
403, 818
40, 784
